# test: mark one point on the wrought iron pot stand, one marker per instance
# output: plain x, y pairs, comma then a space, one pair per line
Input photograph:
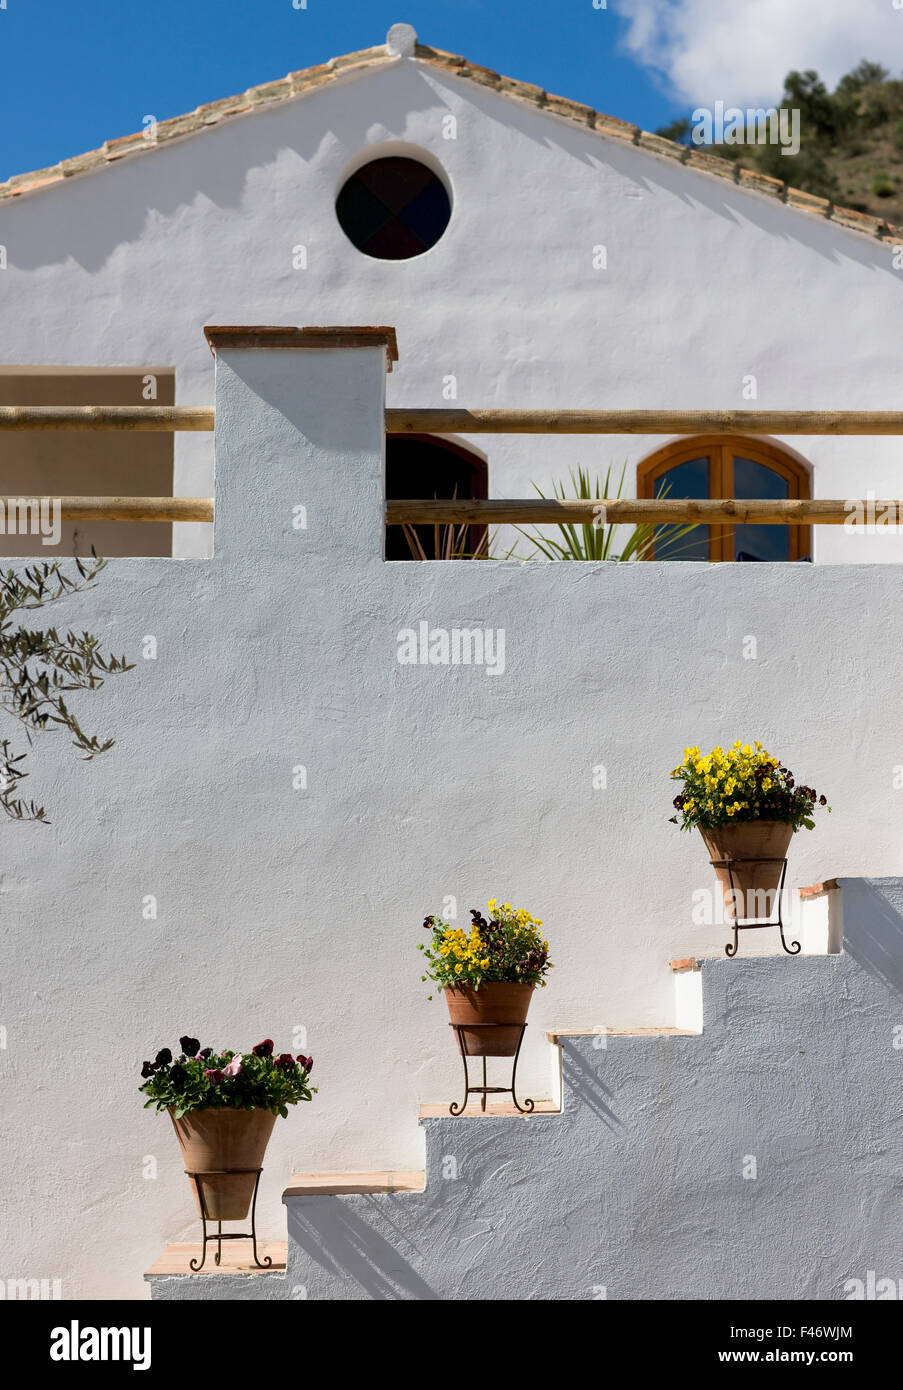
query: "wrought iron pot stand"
484, 1090
222, 1235
750, 924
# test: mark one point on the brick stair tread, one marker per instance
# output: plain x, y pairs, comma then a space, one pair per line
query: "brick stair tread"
237, 1258
440, 1111
340, 1184
553, 1035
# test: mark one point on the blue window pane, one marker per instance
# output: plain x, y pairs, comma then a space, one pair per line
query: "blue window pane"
690, 479
755, 480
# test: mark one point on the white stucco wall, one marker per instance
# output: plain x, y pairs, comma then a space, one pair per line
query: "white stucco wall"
280, 908
706, 283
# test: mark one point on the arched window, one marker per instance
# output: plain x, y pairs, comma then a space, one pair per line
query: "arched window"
423, 466
725, 466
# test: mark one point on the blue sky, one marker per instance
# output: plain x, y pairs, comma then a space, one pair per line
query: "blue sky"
76, 74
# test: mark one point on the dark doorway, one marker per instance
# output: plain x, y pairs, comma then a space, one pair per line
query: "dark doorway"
422, 466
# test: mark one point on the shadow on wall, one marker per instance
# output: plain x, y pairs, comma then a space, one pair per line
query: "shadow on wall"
332, 1233
311, 140
584, 1083
873, 927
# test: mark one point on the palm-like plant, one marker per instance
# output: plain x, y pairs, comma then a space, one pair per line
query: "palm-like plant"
450, 541
593, 541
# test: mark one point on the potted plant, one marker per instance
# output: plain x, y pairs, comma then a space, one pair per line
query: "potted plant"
488, 975
223, 1106
747, 806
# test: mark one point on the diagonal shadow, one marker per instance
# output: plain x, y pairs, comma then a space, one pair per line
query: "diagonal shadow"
873, 927
330, 1231
579, 1078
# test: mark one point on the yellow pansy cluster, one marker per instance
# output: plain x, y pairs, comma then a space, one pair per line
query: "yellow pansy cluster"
508, 946
461, 950
741, 783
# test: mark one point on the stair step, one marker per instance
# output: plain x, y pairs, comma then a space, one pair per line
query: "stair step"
344, 1184
493, 1108
554, 1037
237, 1258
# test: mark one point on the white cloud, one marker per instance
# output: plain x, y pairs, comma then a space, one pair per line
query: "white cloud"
709, 50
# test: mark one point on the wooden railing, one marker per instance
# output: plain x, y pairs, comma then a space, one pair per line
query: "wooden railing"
629, 510
117, 508
518, 511
864, 422
160, 419
156, 418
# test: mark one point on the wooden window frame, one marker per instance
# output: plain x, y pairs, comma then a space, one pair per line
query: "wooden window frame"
720, 451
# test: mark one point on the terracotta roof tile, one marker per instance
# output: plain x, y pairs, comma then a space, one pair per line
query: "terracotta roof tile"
213, 111
38, 178
574, 110
311, 77
179, 125
613, 126
524, 91
270, 92
807, 202
353, 60
712, 164
485, 76
760, 183
859, 221
438, 57
126, 144
349, 64
658, 144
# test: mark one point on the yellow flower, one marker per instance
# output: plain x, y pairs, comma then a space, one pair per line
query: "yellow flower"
484, 964
458, 969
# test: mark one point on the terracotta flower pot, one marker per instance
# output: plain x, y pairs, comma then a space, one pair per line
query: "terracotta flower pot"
214, 1139
495, 1002
756, 842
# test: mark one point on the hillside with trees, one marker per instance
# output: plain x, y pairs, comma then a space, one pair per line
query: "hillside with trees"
851, 140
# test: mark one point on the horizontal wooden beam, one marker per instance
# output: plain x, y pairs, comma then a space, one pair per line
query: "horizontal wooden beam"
633, 511
852, 422
22, 509
160, 419
168, 418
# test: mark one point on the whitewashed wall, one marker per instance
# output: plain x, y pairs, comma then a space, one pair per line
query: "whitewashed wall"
279, 908
706, 283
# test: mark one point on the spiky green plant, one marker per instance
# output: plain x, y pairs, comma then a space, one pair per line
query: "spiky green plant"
592, 541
